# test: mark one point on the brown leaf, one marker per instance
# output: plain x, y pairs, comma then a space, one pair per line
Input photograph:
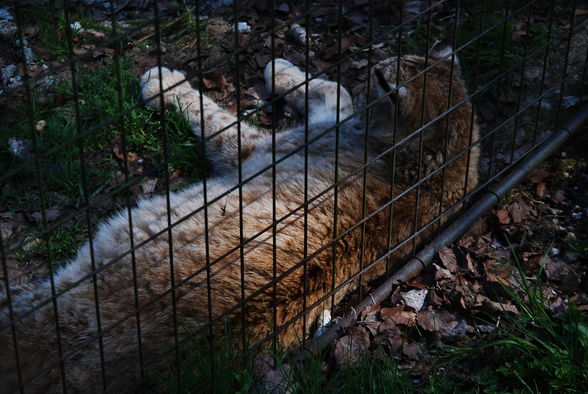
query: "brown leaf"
503, 216
541, 189
518, 211
434, 299
398, 315
436, 320
471, 265
390, 335
531, 261
538, 176
500, 307
352, 346
447, 256
558, 196
369, 313
442, 273
497, 273
215, 80
558, 271
411, 350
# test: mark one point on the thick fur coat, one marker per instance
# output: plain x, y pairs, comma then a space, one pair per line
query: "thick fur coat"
205, 240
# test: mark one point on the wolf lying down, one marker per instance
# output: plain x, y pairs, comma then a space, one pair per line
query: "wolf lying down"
205, 246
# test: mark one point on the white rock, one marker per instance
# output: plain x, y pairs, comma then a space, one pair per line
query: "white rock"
243, 27
7, 73
324, 321
75, 26
415, 298
298, 33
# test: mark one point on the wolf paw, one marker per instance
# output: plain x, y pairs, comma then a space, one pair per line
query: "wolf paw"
286, 75
173, 82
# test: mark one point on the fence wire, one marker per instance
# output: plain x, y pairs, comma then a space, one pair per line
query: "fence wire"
536, 46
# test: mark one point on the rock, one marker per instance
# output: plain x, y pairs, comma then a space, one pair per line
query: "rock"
20, 148
415, 298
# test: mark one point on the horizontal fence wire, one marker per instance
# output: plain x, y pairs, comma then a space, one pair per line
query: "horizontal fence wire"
270, 231
158, 167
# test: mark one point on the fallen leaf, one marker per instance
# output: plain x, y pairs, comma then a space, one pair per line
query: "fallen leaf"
558, 196
497, 273
398, 315
369, 313
215, 80
538, 176
352, 346
411, 350
503, 216
436, 320
447, 256
442, 273
471, 265
500, 307
541, 189
518, 211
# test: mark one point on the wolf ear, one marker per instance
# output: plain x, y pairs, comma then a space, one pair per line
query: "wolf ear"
441, 50
384, 88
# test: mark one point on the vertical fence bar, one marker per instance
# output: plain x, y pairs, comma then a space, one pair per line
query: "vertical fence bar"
365, 145
73, 68
11, 314
474, 87
240, 175
123, 138
166, 163
565, 63
546, 55
500, 69
204, 189
448, 116
395, 127
520, 95
336, 165
42, 197
274, 195
306, 131
415, 220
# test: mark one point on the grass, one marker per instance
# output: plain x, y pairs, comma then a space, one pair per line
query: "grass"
63, 243
502, 45
60, 168
207, 366
51, 24
535, 351
98, 100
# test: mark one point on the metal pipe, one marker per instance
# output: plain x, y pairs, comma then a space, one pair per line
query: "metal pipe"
464, 221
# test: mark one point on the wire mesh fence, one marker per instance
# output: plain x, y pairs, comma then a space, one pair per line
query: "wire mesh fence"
154, 220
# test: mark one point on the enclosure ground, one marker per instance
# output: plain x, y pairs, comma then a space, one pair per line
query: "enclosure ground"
502, 309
